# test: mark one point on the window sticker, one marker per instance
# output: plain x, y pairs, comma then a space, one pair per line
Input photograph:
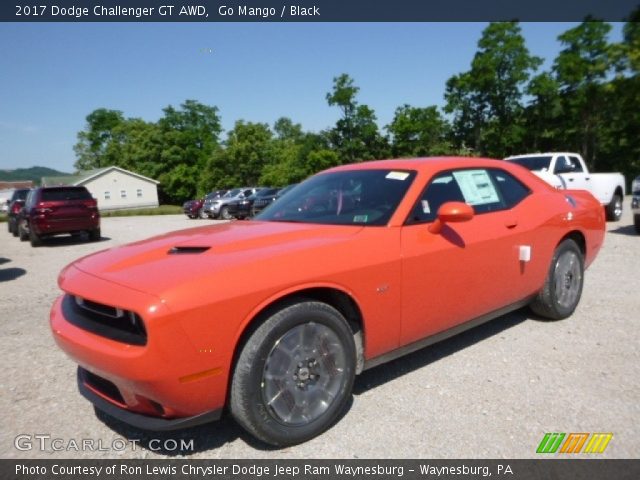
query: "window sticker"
476, 187
425, 206
360, 218
397, 175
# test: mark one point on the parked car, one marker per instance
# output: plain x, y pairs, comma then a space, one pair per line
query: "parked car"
635, 202
192, 208
566, 170
243, 208
52, 211
16, 202
262, 202
430, 248
218, 207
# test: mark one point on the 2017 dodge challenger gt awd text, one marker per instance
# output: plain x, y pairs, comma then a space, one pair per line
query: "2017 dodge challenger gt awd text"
361, 264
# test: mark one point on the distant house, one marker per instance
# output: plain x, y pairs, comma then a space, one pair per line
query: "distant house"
113, 187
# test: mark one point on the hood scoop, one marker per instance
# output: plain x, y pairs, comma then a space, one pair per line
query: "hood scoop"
187, 250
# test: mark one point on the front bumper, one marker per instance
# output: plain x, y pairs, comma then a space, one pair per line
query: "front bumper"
139, 420
167, 378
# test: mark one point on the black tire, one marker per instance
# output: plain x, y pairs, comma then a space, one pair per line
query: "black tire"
202, 215
95, 235
224, 213
24, 235
614, 209
9, 226
14, 228
562, 288
312, 390
34, 238
636, 222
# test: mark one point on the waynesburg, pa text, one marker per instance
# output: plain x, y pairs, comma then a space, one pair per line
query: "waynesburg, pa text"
274, 470
182, 11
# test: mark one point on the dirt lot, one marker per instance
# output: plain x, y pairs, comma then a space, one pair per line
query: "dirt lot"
489, 393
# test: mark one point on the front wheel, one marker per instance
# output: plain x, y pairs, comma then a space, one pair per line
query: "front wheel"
224, 213
636, 223
23, 233
614, 209
562, 289
294, 375
202, 214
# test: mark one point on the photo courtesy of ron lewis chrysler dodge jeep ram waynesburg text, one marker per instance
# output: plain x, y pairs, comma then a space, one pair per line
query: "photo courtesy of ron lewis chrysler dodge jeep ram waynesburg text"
566, 170
365, 263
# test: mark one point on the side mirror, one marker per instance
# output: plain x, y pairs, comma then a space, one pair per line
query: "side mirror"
451, 212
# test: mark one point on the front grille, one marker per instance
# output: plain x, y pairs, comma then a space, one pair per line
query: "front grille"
101, 385
104, 320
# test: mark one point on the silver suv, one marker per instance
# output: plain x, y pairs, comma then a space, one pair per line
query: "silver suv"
217, 207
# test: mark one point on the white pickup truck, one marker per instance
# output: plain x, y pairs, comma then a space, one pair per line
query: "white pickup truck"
566, 170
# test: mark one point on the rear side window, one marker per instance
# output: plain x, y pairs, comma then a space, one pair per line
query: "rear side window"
511, 189
62, 194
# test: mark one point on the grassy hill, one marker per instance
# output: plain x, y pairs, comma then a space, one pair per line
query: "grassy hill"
34, 174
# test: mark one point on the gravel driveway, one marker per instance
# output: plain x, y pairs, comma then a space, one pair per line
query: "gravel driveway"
491, 392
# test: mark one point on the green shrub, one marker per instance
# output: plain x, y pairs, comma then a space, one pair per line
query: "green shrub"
161, 210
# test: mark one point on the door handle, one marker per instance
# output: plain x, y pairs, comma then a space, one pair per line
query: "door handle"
571, 179
511, 223
587, 178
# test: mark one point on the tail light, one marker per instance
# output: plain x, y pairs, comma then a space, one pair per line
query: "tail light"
16, 207
91, 204
40, 209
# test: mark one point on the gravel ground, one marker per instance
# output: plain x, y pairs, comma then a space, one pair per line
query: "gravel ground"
491, 392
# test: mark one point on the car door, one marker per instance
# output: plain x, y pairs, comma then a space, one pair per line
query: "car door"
468, 269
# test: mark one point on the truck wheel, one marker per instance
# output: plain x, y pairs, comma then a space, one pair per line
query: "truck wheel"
294, 375
562, 289
614, 209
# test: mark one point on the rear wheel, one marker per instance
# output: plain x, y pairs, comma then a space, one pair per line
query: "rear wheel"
294, 375
14, 228
34, 238
23, 233
636, 223
563, 287
614, 209
94, 235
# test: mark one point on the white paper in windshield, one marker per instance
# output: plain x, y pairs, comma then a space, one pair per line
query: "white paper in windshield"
476, 186
397, 175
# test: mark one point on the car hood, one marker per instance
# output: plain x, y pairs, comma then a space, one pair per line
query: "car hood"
156, 264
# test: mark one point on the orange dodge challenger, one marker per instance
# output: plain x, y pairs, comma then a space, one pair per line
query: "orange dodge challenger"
358, 265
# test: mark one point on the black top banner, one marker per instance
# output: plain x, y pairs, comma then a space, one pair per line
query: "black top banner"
314, 10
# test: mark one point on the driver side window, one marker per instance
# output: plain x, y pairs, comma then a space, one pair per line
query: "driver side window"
443, 188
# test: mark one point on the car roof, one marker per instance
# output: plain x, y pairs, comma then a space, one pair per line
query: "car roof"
422, 164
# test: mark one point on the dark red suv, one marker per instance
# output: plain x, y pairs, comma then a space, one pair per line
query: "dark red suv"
51, 211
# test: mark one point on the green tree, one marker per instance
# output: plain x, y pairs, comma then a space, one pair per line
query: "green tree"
355, 136
486, 100
418, 132
581, 70
544, 132
247, 150
94, 140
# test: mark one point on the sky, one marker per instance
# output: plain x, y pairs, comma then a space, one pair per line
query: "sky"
52, 75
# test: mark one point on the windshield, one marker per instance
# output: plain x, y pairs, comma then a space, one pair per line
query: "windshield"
540, 163
353, 197
232, 193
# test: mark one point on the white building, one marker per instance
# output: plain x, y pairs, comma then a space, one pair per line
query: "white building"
113, 187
